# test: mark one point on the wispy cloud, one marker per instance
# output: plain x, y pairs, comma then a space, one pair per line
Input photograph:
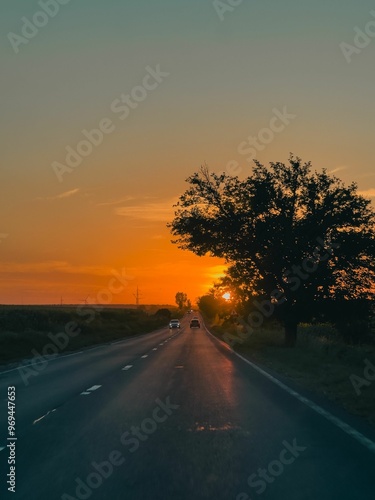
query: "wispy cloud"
368, 193
52, 266
116, 202
61, 196
68, 194
337, 169
156, 212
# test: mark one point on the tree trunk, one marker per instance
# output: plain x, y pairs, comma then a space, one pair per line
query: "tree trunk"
290, 333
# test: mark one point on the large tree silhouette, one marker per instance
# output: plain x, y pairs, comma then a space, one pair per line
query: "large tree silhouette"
290, 236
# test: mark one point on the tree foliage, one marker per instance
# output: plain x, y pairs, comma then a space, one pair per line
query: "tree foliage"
213, 304
181, 300
164, 313
289, 234
209, 305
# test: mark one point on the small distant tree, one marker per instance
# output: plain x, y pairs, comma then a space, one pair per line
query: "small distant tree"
209, 305
164, 313
213, 304
181, 300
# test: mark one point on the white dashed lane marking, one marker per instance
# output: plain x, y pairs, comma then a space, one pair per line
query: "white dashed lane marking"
127, 367
2, 448
90, 390
94, 388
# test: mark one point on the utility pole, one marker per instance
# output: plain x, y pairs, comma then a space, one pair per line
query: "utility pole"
137, 297
85, 300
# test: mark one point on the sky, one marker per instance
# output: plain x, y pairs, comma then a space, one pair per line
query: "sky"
203, 76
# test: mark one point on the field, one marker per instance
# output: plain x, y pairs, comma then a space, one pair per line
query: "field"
26, 329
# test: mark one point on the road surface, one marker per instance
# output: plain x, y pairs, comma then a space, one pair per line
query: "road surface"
176, 415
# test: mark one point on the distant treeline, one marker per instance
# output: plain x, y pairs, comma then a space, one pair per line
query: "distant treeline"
27, 328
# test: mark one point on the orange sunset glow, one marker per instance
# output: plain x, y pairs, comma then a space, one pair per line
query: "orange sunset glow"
97, 147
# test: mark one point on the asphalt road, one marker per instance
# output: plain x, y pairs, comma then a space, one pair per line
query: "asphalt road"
176, 415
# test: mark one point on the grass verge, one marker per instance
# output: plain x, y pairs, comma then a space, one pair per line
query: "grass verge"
24, 330
320, 362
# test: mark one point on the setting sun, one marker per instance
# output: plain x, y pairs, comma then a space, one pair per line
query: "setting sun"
226, 296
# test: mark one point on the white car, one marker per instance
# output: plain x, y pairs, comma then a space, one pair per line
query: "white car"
174, 323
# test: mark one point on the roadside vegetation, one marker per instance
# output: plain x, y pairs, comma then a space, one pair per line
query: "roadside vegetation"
322, 361
27, 328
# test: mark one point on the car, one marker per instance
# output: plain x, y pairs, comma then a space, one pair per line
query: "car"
174, 323
194, 323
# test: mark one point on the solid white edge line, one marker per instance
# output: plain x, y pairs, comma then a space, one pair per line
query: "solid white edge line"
62, 356
54, 358
67, 356
2, 448
318, 409
370, 445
